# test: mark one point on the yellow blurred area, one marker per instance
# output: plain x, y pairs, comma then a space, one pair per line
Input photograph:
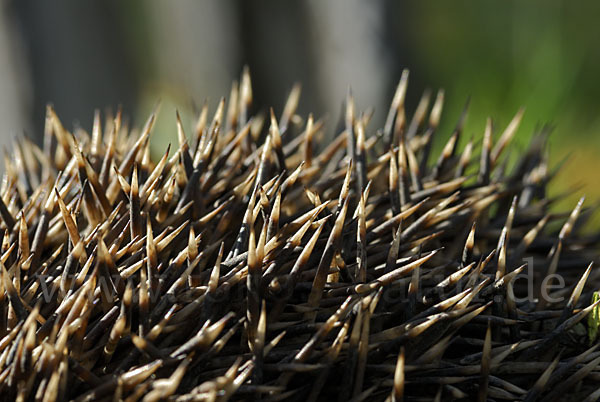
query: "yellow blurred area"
578, 177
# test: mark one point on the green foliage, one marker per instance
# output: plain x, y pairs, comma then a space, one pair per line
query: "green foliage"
504, 55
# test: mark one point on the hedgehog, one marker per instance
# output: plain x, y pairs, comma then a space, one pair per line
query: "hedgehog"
260, 261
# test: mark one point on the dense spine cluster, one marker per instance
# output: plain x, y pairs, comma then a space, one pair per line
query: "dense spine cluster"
258, 261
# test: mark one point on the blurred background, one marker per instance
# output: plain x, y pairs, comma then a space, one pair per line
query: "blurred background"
82, 55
